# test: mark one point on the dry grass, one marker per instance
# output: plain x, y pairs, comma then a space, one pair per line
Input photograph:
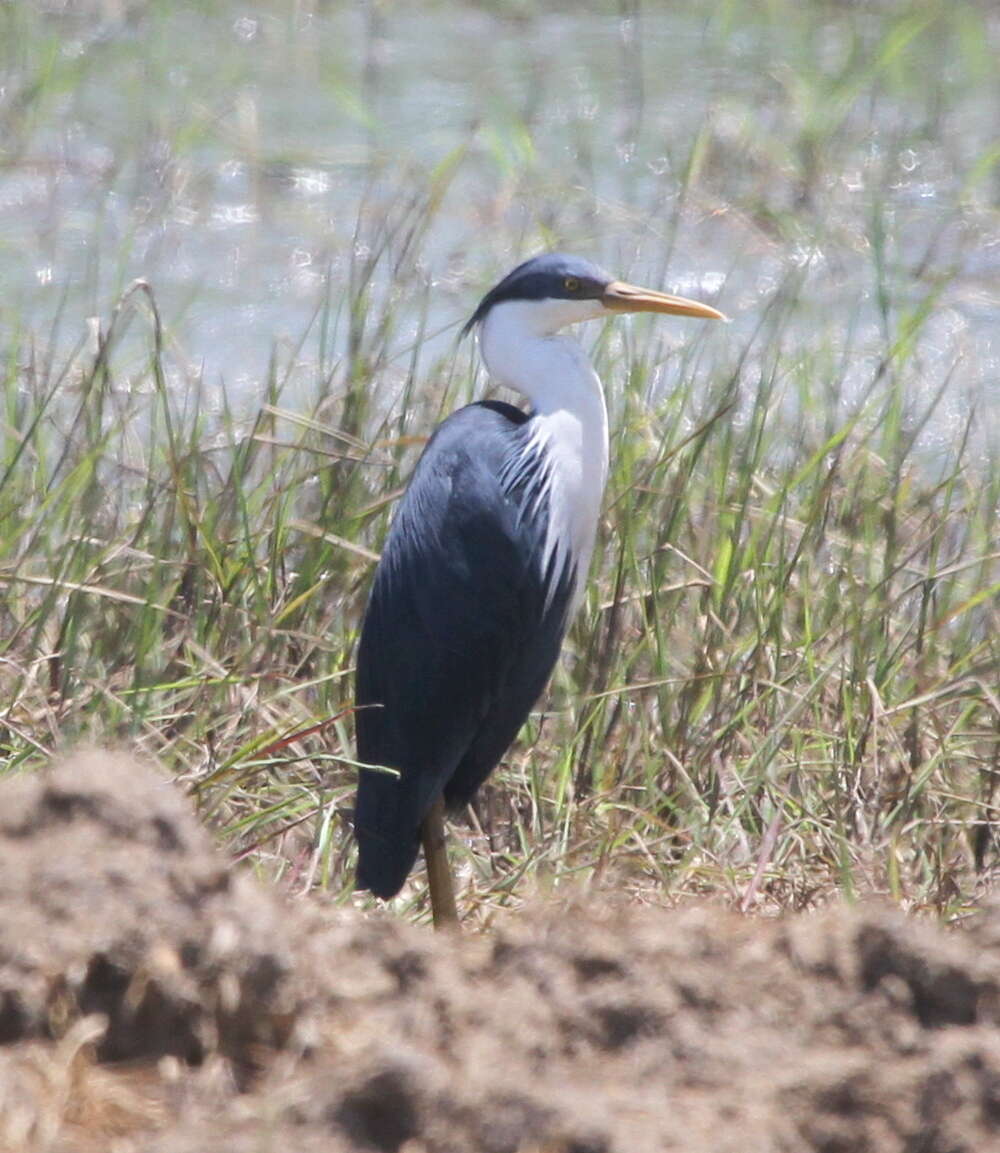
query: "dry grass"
784, 681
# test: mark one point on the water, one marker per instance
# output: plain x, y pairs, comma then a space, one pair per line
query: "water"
240, 157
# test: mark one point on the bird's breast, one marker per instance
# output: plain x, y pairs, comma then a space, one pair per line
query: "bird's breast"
573, 470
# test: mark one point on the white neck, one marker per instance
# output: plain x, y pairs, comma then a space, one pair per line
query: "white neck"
523, 351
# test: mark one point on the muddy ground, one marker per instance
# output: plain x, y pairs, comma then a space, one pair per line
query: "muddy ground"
152, 998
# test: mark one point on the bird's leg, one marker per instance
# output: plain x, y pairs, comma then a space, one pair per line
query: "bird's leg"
443, 907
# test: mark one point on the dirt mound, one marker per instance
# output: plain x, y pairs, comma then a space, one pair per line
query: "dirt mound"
114, 902
151, 999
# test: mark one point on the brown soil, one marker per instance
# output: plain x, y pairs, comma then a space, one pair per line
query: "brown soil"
153, 999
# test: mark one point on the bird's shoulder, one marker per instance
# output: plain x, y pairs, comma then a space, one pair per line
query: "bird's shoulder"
467, 464
483, 432
462, 527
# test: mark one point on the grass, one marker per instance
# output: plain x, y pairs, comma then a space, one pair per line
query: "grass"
784, 680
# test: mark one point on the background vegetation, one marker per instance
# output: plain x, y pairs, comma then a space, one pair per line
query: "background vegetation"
785, 680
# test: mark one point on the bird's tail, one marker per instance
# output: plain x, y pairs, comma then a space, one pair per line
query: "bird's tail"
383, 867
388, 831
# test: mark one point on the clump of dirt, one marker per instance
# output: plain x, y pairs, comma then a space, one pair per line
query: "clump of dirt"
114, 902
257, 1025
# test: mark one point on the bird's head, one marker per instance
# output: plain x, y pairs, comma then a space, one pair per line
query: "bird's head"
554, 290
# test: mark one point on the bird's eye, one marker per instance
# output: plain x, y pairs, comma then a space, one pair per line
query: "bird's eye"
571, 284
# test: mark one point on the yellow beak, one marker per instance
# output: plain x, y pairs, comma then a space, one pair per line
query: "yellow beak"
622, 297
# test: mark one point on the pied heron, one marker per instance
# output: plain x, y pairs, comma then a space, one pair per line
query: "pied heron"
483, 567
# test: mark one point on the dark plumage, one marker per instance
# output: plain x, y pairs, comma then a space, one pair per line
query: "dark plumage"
460, 635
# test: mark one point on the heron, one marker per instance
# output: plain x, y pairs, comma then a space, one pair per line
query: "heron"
483, 567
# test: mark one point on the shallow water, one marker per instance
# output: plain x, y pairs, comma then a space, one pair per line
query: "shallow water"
242, 158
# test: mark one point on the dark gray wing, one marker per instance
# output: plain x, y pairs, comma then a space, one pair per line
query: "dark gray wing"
460, 634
